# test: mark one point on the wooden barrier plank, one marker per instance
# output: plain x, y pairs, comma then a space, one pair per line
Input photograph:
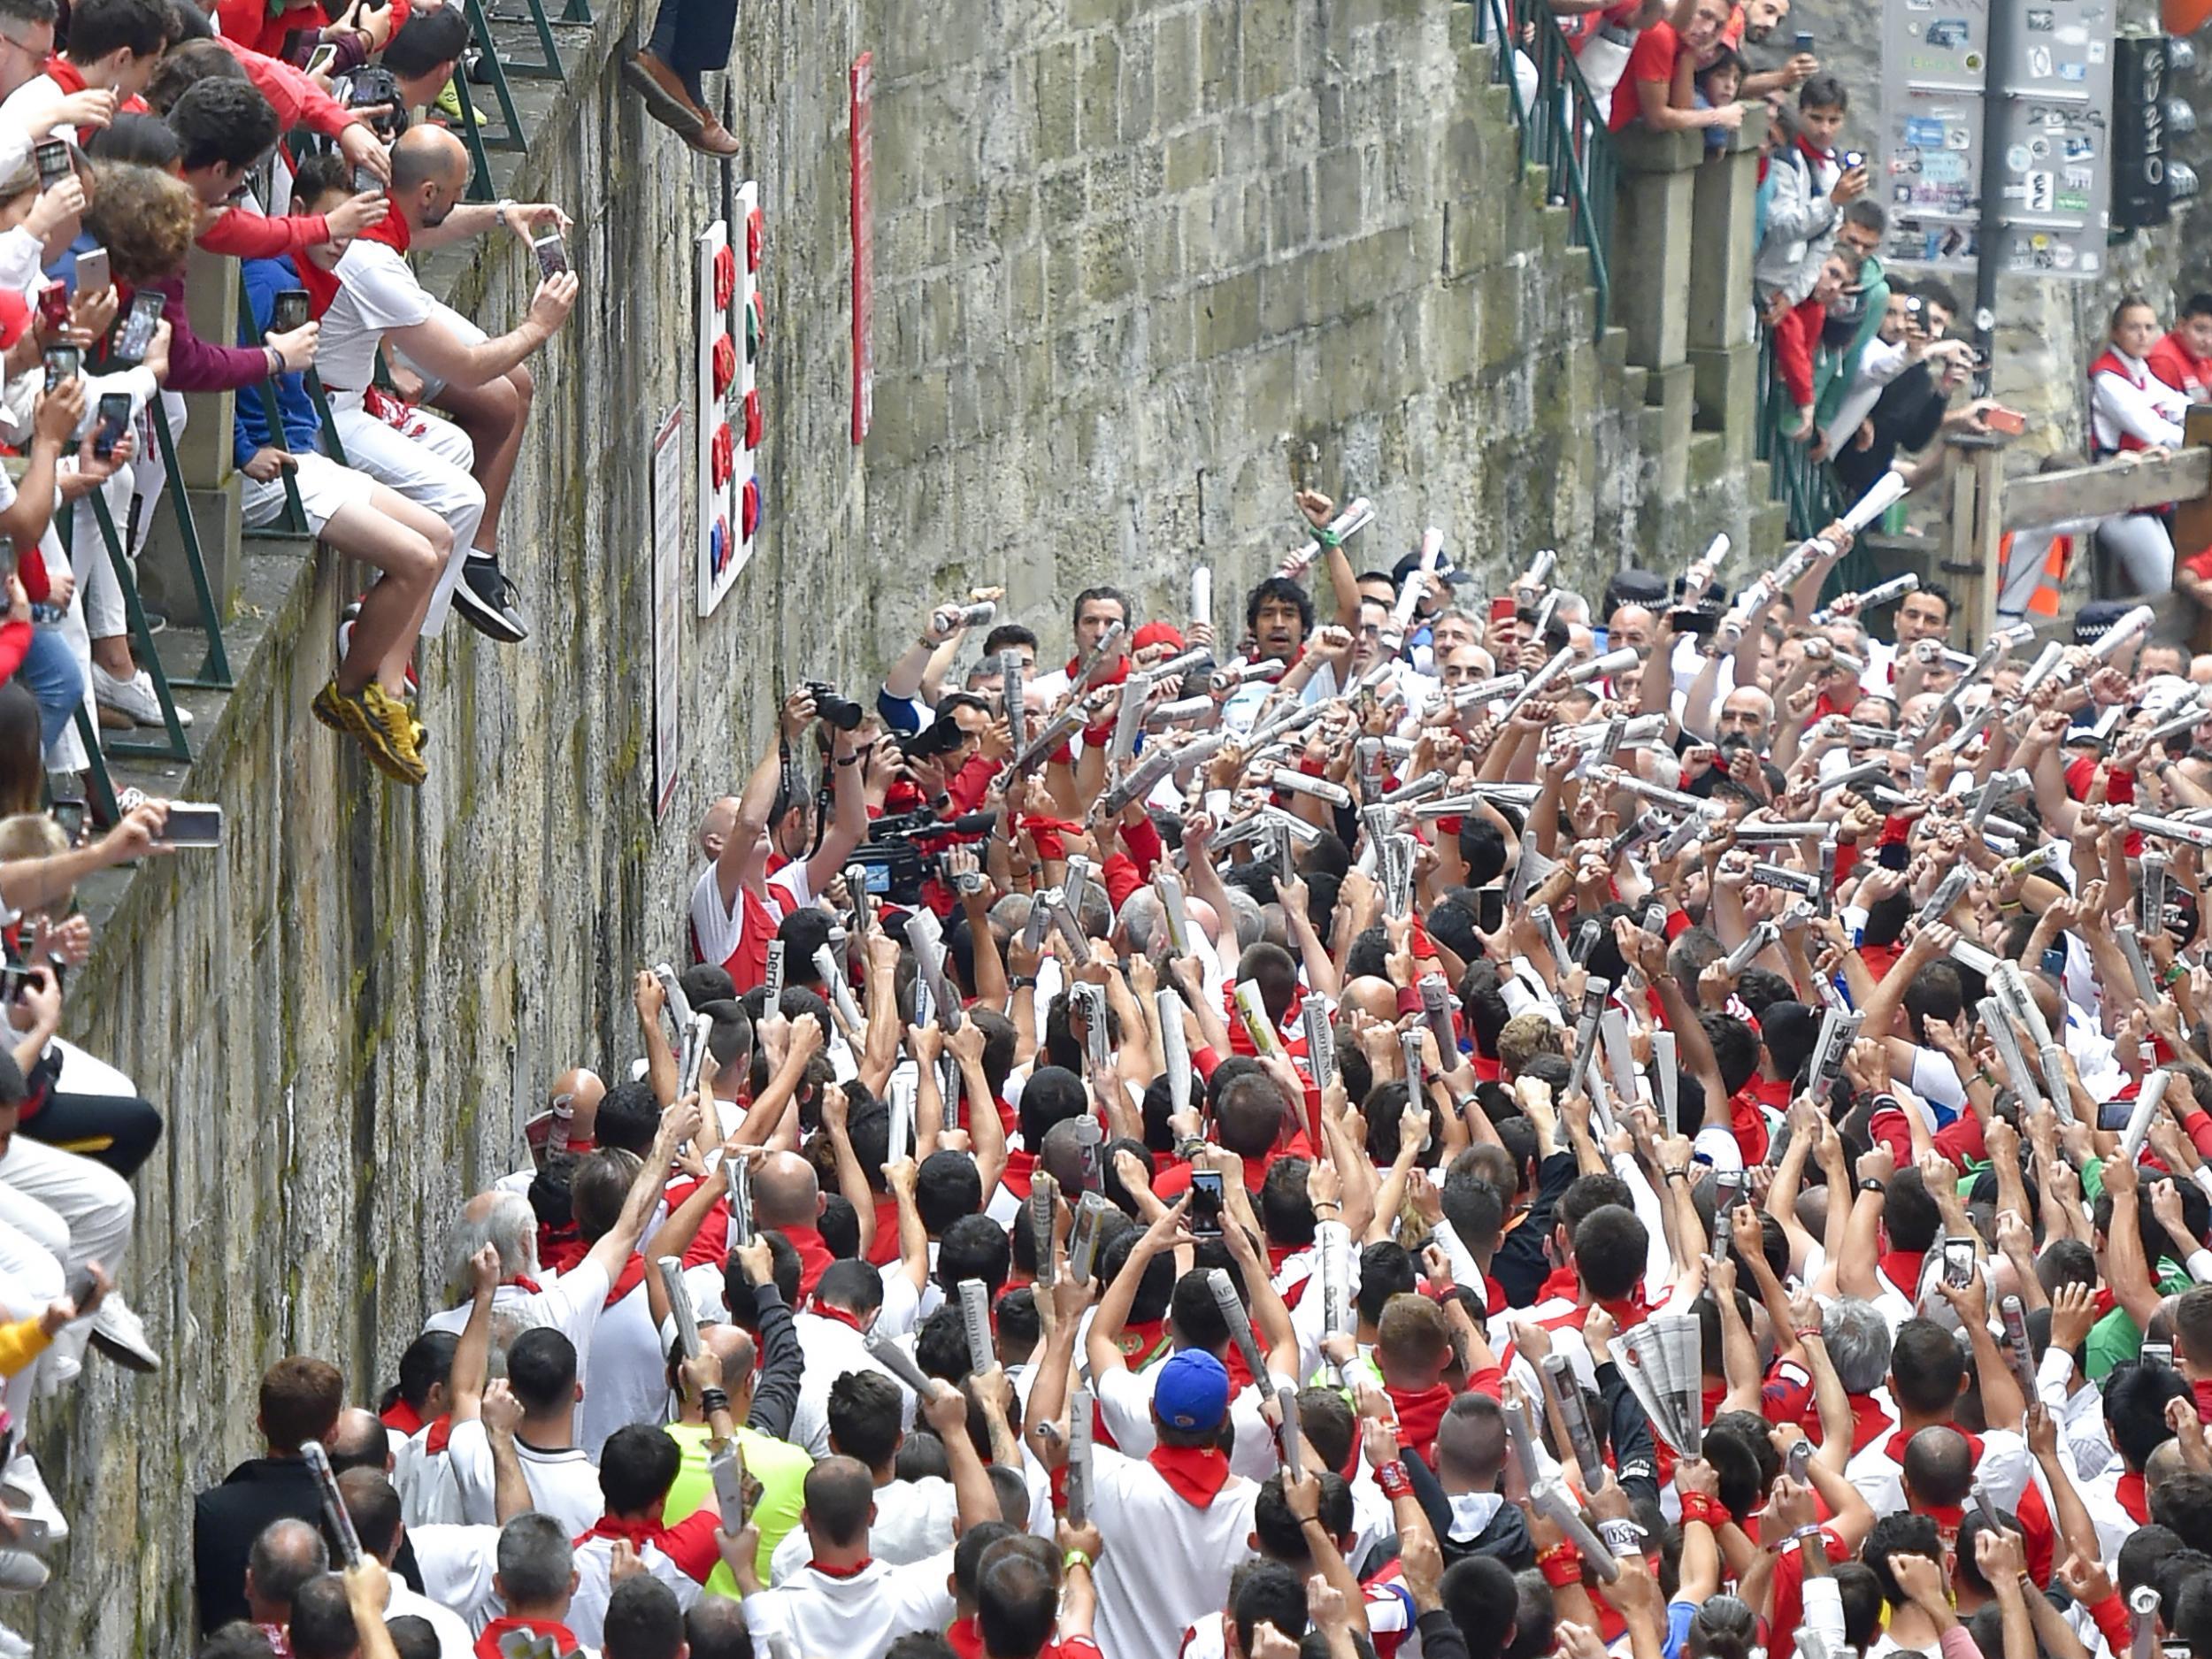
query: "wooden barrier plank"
2101, 492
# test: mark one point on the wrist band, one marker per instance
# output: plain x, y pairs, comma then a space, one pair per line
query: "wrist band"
1327, 537
1809, 1333
1073, 1559
1810, 1530
1394, 1480
712, 1401
1699, 1505
1561, 1565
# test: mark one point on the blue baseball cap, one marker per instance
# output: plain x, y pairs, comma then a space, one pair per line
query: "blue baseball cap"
1192, 1392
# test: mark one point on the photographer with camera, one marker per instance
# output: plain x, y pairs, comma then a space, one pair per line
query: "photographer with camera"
766, 853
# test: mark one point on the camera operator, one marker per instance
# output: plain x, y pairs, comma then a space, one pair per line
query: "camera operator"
764, 859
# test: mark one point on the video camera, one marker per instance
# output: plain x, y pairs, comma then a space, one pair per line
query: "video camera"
895, 867
372, 85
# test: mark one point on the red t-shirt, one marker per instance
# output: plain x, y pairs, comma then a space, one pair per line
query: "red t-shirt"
2170, 361
1656, 50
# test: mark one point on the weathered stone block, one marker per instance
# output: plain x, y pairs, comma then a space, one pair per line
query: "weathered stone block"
1727, 379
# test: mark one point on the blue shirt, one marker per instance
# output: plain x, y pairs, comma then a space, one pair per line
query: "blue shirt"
266, 278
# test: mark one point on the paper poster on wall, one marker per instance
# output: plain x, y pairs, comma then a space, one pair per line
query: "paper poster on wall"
668, 608
730, 324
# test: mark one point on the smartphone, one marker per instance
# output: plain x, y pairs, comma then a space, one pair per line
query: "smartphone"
323, 58
552, 256
366, 182
135, 332
78, 1288
1804, 40
2008, 421
1490, 908
14, 978
1698, 623
2158, 1353
115, 420
92, 270
1501, 608
53, 306
1958, 1261
69, 814
191, 823
288, 312
63, 363
1206, 1197
52, 155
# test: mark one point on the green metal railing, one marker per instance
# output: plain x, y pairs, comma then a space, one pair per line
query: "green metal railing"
1803, 485
1563, 127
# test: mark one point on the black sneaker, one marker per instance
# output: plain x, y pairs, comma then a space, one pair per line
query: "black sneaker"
486, 599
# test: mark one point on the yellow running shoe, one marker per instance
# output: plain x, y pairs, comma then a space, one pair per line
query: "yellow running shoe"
388, 732
336, 710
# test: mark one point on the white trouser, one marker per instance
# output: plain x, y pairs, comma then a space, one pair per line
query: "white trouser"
134, 495
95, 1205
429, 464
33, 1243
2146, 552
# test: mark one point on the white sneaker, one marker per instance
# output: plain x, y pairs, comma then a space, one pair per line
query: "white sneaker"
12, 1646
21, 1573
23, 1489
119, 1333
133, 697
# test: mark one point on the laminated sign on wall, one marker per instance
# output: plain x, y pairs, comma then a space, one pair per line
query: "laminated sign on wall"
2051, 156
730, 329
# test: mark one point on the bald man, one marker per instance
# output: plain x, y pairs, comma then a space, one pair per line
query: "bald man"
761, 1398
1748, 713
787, 1199
288, 1554
460, 469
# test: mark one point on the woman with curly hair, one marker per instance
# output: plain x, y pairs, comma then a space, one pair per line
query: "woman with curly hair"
147, 219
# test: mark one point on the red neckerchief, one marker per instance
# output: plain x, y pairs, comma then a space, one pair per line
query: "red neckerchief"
1895, 1450
64, 75
280, 1639
529, 1285
322, 286
401, 1416
837, 1316
1020, 1171
391, 230
1120, 672
487, 1644
1562, 1283
1902, 1268
441, 1432
814, 1256
853, 1571
2131, 1496
629, 1278
1496, 1291
964, 1637
1805, 146
561, 1248
1194, 1473
1420, 1413
1143, 1340
1869, 1420
2202, 1389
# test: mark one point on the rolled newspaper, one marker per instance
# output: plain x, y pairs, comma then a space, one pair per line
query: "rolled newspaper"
1467, 697
2143, 1622
926, 938
1174, 1048
1318, 1017
772, 980
1293, 1432
1174, 912
1044, 1203
1257, 1026
2107, 645
2171, 829
1202, 594
671, 1269
2007, 1042
1762, 937
2151, 896
1805, 882
737, 1178
2144, 1113
1666, 1064
1770, 834
1112, 645
841, 992
1293, 781
2139, 966
1333, 1242
2018, 1352
1236, 674
336, 1516
1420, 788
1081, 1406
1948, 893
1014, 693
2045, 664
1240, 1322
902, 1099
975, 1319
1083, 1240
885, 1351
1874, 598
1090, 1138
1416, 1078
673, 993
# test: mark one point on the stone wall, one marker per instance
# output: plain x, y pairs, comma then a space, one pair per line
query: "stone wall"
1124, 246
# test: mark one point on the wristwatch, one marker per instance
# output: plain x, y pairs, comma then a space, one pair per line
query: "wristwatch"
1871, 1186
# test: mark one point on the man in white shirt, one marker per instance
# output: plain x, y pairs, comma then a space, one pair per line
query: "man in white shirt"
380, 302
1097, 611
1176, 1524
844, 1600
832, 1334
372, 1503
911, 1518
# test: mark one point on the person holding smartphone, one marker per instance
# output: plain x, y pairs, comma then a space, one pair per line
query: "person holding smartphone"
370, 299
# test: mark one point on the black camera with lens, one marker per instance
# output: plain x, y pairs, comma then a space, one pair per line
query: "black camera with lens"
840, 712
374, 85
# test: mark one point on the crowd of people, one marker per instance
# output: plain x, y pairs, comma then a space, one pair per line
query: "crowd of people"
1873, 367
1423, 1122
